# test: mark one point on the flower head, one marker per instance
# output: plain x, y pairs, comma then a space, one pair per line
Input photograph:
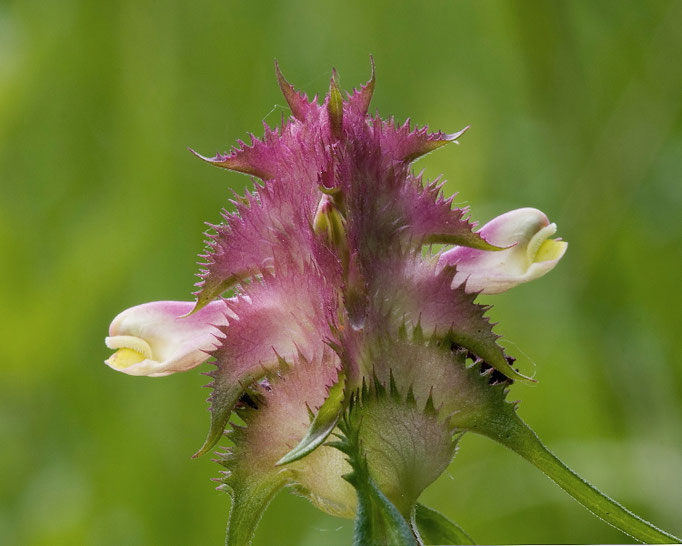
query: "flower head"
344, 321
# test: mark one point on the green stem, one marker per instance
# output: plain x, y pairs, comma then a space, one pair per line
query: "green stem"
514, 433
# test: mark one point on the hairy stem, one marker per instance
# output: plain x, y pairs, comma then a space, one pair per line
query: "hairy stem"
514, 433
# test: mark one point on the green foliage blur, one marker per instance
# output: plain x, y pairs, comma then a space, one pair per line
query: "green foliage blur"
575, 109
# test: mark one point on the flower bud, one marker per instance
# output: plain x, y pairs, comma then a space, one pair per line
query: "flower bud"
329, 221
155, 339
530, 253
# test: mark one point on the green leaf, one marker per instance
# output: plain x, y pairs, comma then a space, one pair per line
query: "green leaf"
322, 425
378, 521
510, 430
435, 528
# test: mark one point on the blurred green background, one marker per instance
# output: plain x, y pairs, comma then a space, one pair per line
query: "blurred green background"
575, 109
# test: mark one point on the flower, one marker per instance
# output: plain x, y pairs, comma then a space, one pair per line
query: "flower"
155, 339
353, 353
344, 321
528, 253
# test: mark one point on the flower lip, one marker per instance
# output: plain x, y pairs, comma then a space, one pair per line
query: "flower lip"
154, 339
133, 343
528, 253
537, 241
